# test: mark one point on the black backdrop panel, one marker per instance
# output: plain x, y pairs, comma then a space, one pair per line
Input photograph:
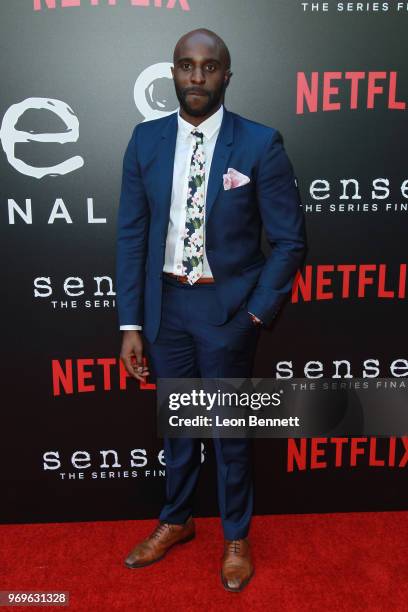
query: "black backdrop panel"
79, 438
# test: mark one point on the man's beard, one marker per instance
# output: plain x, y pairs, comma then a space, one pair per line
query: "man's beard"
214, 98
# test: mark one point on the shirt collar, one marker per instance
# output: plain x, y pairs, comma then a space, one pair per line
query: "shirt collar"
209, 126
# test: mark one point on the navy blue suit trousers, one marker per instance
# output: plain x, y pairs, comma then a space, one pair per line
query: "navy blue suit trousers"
189, 345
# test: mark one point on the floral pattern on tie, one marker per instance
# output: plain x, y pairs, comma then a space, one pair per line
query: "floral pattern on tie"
193, 252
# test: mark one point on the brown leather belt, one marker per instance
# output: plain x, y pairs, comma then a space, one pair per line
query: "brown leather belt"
183, 279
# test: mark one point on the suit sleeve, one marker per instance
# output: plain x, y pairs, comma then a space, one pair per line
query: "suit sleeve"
283, 219
131, 245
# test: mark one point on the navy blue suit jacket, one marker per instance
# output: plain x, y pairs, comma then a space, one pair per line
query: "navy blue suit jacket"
234, 220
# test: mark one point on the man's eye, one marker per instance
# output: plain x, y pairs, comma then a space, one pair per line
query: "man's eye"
210, 67
185, 66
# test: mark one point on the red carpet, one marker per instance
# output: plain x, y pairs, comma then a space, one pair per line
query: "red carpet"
350, 562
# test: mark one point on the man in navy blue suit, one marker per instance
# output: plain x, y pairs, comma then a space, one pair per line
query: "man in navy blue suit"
198, 186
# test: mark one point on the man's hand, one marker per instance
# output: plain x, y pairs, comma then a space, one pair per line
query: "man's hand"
132, 354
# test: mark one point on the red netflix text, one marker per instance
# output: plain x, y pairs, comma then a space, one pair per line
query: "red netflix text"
39, 5
322, 453
83, 375
360, 90
344, 281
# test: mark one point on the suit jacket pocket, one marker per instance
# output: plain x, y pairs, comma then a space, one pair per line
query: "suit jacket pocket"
238, 191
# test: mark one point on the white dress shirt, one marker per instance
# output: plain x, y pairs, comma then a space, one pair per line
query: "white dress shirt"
185, 142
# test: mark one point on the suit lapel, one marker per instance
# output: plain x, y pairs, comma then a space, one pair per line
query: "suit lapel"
219, 163
165, 164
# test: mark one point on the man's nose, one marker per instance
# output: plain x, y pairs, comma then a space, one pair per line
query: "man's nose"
197, 75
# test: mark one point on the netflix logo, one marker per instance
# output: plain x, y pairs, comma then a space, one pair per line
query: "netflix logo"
39, 5
350, 90
350, 281
88, 375
321, 453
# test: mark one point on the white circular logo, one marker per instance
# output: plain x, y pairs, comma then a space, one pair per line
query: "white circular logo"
151, 91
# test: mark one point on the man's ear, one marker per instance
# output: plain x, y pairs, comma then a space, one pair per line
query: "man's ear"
172, 71
229, 75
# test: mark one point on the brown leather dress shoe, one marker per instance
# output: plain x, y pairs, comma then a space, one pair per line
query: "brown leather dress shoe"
155, 546
237, 569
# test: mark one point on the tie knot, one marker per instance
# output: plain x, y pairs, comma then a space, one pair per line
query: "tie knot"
199, 136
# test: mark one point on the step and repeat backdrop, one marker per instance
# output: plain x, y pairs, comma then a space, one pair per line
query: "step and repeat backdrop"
79, 437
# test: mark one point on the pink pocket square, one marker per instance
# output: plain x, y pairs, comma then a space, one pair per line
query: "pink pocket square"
233, 179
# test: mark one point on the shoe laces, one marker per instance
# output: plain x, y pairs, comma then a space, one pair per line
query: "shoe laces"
234, 546
160, 529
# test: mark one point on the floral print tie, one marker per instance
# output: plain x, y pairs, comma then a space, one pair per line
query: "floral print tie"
193, 253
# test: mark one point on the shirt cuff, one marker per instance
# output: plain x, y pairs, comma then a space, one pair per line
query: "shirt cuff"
130, 327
